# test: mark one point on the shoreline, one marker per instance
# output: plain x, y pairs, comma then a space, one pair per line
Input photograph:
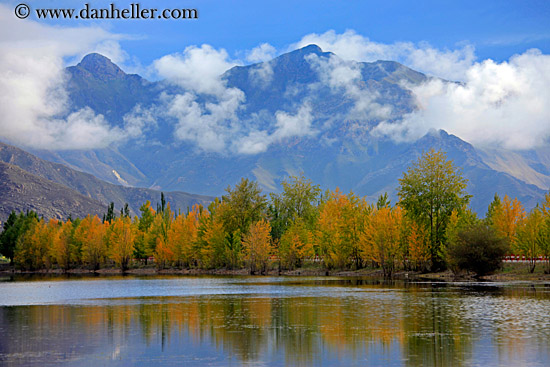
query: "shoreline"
513, 273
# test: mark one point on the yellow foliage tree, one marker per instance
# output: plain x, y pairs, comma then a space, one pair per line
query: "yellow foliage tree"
183, 235
527, 235
296, 244
91, 233
62, 249
342, 219
122, 234
33, 250
212, 242
381, 241
257, 246
506, 217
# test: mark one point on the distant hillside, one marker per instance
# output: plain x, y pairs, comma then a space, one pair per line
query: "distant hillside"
91, 187
22, 191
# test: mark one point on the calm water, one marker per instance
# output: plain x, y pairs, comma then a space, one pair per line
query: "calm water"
282, 321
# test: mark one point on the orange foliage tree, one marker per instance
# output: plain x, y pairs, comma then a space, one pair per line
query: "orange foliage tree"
122, 234
62, 251
91, 234
342, 219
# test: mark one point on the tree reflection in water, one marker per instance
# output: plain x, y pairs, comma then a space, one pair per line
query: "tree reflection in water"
379, 324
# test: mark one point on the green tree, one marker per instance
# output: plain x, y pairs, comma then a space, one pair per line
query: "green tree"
494, 207
478, 249
9, 236
141, 244
297, 201
429, 191
245, 205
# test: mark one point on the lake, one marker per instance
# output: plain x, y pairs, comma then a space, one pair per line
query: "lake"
271, 321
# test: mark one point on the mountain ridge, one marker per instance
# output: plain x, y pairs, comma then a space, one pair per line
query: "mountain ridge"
90, 186
342, 151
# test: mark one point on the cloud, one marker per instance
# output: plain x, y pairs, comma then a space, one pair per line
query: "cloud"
206, 113
286, 126
198, 69
33, 99
210, 125
498, 104
297, 125
345, 75
261, 53
448, 64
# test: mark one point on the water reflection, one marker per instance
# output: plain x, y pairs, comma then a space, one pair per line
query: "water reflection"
379, 324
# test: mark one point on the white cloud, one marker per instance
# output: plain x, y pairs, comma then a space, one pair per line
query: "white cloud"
261, 53
349, 45
286, 126
261, 75
297, 125
254, 143
340, 74
503, 104
198, 69
33, 100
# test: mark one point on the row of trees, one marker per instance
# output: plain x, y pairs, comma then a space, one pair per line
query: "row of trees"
431, 227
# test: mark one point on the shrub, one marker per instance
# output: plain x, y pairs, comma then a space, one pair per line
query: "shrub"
478, 249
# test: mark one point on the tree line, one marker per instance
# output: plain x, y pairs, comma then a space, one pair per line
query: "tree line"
430, 228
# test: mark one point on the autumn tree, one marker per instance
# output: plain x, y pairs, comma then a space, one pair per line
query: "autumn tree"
211, 242
63, 251
158, 236
527, 234
342, 219
183, 235
382, 238
296, 244
91, 234
429, 191
33, 248
257, 246
122, 234
505, 216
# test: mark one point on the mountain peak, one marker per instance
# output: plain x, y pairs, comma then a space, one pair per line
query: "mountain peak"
312, 48
101, 66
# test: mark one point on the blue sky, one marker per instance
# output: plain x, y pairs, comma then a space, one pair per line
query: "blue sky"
497, 29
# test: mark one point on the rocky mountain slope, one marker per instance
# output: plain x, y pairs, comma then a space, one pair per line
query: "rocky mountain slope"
22, 191
77, 185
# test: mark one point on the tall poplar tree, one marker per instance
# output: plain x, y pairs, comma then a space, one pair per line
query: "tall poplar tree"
429, 191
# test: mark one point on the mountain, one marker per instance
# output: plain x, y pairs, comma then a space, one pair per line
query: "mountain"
341, 102
98, 83
88, 186
22, 191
